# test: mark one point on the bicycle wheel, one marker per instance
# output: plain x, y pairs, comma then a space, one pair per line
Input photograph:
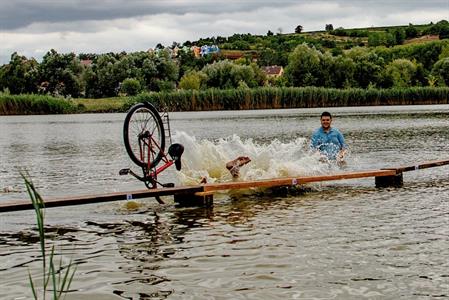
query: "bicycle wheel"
143, 134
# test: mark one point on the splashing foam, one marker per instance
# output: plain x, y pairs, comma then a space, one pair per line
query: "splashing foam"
208, 159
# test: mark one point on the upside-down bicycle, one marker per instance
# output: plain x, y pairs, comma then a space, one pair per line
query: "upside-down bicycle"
144, 136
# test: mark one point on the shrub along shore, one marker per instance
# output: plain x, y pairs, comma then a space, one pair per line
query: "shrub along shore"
233, 99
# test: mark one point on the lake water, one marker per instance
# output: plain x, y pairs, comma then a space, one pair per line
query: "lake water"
338, 240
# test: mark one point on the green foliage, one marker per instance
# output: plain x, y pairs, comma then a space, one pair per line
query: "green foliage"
401, 72
298, 29
60, 74
290, 97
33, 104
444, 32
411, 32
303, 66
20, 75
130, 86
444, 52
61, 277
194, 80
225, 74
441, 71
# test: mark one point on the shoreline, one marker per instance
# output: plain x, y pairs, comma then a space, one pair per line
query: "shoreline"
222, 100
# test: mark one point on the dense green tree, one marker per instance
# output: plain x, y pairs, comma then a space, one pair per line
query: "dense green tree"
441, 71
411, 31
399, 36
329, 27
61, 74
376, 39
101, 81
343, 72
303, 66
225, 74
326, 70
270, 57
444, 51
20, 75
401, 72
194, 80
444, 32
130, 86
368, 67
298, 29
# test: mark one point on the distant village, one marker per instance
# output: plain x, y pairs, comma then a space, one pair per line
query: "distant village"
270, 71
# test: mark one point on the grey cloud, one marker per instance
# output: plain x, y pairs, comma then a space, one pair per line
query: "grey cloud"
21, 13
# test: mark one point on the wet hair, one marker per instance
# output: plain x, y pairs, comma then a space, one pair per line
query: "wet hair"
326, 114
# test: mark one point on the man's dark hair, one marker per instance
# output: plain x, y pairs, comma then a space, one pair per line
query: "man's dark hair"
326, 114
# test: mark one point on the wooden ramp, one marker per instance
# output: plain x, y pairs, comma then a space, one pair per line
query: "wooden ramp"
202, 194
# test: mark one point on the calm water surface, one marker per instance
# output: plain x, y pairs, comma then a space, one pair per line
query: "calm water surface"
340, 240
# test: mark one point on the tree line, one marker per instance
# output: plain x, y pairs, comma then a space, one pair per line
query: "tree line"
305, 64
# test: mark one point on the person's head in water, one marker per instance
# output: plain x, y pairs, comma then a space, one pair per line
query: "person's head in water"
326, 120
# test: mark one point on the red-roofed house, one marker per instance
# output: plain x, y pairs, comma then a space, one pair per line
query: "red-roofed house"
86, 62
273, 71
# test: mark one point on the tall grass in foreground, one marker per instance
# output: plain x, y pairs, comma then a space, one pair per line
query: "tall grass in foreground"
56, 280
29, 104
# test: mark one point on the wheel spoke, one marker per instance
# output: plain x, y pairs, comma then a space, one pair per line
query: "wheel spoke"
144, 120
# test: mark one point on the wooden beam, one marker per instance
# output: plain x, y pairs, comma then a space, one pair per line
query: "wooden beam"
419, 166
294, 180
205, 192
14, 205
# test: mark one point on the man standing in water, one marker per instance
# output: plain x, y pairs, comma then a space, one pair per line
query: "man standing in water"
328, 140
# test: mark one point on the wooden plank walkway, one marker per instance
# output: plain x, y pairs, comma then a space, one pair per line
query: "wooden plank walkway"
14, 205
288, 181
207, 190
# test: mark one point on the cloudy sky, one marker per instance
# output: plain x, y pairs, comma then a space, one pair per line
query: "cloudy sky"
32, 27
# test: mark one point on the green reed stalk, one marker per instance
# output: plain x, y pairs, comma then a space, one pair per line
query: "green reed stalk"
26, 104
60, 285
290, 97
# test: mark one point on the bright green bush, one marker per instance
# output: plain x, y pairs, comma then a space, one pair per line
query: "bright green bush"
130, 86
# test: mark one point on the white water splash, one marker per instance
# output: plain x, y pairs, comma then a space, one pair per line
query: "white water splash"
272, 160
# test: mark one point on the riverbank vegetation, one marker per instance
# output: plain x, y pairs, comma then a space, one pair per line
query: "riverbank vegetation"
290, 97
230, 99
390, 58
34, 104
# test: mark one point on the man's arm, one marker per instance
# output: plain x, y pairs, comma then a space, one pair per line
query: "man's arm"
314, 141
343, 147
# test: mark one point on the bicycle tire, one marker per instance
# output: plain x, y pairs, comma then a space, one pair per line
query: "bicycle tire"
140, 118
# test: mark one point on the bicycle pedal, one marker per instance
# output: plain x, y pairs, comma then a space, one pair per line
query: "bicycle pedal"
168, 185
124, 171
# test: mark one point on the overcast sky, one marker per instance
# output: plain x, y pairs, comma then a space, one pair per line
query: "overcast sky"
32, 27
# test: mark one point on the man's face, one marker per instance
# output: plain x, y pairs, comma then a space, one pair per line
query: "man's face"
326, 122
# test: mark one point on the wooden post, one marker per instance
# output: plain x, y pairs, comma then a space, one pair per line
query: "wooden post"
389, 181
204, 199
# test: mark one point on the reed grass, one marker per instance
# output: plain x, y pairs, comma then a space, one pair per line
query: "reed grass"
290, 97
56, 280
231, 99
27, 104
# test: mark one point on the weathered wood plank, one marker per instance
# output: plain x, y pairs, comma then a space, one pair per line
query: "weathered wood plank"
86, 199
419, 166
294, 180
206, 190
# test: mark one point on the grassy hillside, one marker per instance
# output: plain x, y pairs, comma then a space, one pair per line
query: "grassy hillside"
334, 39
